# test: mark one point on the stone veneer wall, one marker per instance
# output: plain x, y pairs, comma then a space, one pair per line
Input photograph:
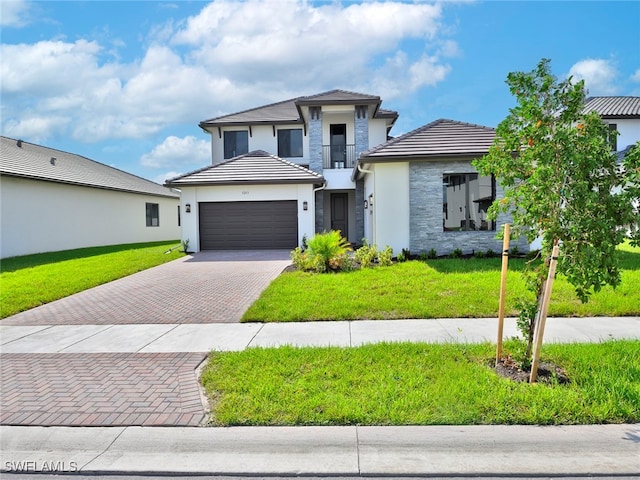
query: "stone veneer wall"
425, 198
361, 145
315, 160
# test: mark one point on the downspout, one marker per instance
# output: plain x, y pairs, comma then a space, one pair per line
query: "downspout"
373, 219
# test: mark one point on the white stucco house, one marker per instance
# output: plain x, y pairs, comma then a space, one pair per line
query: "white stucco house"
290, 161
622, 114
287, 170
52, 200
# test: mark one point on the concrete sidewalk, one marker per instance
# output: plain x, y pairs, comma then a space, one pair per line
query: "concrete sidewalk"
522, 451
155, 338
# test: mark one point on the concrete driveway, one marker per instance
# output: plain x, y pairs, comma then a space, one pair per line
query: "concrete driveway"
206, 287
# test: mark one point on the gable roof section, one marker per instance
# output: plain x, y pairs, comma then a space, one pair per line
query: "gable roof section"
47, 164
288, 111
253, 168
441, 138
614, 107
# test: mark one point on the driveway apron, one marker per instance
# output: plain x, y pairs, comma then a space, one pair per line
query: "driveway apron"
132, 388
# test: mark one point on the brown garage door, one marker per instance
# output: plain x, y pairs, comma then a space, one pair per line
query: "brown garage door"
248, 225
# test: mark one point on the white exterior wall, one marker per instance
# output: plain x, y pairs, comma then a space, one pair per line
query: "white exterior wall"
629, 131
377, 132
387, 221
261, 138
247, 193
38, 216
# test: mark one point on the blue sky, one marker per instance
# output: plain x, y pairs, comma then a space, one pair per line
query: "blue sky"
126, 83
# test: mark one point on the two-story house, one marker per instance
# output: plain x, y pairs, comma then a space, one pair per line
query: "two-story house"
281, 172
622, 114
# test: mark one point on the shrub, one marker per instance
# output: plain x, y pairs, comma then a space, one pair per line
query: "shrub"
432, 254
423, 257
329, 248
385, 256
479, 254
490, 253
457, 253
366, 254
324, 252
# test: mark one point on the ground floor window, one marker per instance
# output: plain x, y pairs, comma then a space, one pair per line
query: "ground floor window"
466, 199
153, 214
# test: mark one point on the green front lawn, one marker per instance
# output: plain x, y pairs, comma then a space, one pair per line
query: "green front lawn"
434, 289
32, 280
419, 384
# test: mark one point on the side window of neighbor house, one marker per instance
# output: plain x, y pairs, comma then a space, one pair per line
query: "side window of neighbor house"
236, 143
466, 198
290, 143
613, 136
153, 214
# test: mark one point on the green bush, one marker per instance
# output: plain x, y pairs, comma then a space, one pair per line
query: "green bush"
457, 253
385, 256
432, 254
366, 255
324, 252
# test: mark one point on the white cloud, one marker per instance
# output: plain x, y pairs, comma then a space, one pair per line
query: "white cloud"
175, 151
230, 56
636, 76
599, 75
163, 177
34, 127
14, 13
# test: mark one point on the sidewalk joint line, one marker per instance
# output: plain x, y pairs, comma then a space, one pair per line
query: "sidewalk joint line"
83, 339
175, 325
47, 327
254, 336
350, 335
104, 451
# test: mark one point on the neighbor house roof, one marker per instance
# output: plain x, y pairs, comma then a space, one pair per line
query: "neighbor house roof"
288, 111
28, 160
441, 138
614, 107
257, 167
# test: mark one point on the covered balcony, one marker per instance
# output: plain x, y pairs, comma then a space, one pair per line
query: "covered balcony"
338, 156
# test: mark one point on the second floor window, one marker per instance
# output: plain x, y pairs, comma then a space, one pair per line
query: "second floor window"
290, 143
236, 143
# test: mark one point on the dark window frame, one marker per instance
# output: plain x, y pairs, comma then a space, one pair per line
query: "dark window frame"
286, 146
461, 181
152, 212
235, 142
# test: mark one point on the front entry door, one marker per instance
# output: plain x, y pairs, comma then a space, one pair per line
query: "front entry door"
339, 213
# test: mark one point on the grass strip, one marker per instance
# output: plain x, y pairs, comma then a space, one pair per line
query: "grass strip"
442, 288
419, 384
32, 280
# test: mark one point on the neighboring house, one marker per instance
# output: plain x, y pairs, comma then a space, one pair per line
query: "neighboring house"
53, 200
621, 114
422, 192
304, 179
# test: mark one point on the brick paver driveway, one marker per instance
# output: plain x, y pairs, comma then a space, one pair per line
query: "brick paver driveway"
128, 388
208, 287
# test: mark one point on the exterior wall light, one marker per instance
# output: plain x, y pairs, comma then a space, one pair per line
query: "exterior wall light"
305, 205
187, 208
371, 200
366, 204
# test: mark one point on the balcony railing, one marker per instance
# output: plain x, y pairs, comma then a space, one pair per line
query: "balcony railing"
338, 156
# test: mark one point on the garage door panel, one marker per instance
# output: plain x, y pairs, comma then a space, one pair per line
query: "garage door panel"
248, 225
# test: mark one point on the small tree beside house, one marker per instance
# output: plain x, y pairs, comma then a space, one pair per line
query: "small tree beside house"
563, 184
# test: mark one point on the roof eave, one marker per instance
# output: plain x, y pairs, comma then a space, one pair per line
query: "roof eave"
87, 185
319, 181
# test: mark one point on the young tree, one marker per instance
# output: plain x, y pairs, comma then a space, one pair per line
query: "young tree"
562, 183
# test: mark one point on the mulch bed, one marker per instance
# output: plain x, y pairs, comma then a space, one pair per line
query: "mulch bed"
547, 372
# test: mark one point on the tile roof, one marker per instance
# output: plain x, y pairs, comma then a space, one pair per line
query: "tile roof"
42, 163
257, 167
288, 111
441, 138
614, 107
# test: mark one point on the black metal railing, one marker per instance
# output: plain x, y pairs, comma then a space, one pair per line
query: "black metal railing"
338, 156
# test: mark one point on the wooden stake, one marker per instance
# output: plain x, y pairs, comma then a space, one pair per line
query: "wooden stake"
543, 312
503, 285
